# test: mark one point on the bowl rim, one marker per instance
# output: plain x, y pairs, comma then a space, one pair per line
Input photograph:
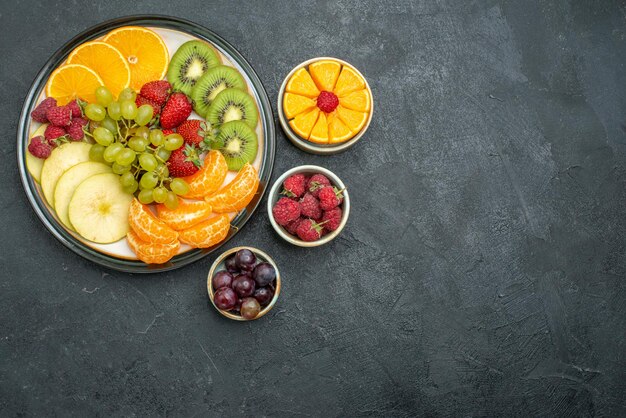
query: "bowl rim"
311, 147
218, 261
272, 197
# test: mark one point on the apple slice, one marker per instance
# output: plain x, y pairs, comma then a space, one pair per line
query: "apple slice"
68, 183
61, 158
34, 164
99, 209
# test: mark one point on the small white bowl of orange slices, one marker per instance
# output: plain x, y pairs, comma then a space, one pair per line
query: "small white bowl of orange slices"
325, 105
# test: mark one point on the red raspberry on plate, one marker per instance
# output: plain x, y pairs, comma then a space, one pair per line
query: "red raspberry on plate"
75, 130
59, 115
53, 132
327, 101
310, 207
156, 91
331, 219
140, 101
39, 147
285, 211
75, 109
39, 113
316, 183
308, 230
330, 197
294, 185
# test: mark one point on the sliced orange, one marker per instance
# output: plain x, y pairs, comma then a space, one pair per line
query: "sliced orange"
187, 214
325, 73
208, 233
145, 52
72, 81
337, 130
353, 119
209, 178
294, 104
149, 252
348, 82
304, 122
238, 193
106, 61
319, 133
358, 100
147, 226
302, 83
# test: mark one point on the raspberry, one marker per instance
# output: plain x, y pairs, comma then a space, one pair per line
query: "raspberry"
310, 207
330, 197
308, 230
316, 183
53, 132
285, 211
292, 226
75, 109
75, 130
39, 113
39, 147
59, 115
331, 219
327, 101
294, 185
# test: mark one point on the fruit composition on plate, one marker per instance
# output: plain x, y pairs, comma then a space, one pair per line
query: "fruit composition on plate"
146, 144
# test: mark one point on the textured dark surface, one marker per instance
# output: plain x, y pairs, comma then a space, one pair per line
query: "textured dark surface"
482, 269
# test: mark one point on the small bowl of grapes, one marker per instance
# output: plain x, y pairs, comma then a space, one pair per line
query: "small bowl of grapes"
243, 284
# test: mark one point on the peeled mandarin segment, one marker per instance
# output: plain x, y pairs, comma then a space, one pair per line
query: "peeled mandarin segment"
208, 233
186, 215
152, 253
302, 83
147, 226
337, 130
353, 119
238, 193
319, 134
106, 61
325, 74
348, 82
209, 178
72, 81
145, 52
294, 104
359, 100
304, 122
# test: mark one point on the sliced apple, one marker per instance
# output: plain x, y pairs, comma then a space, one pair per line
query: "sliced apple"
61, 158
68, 183
34, 164
99, 209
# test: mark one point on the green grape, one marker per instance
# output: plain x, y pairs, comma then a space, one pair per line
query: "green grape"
110, 124
162, 170
95, 152
119, 168
144, 115
149, 180
156, 137
127, 94
110, 153
171, 201
127, 179
125, 157
145, 196
129, 109
115, 111
179, 186
137, 143
132, 188
173, 142
103, 136
95, 112
148, 162
143, 131
163, 154
159, 194
103, 96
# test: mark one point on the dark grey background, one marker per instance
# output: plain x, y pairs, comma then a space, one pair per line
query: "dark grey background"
482, 269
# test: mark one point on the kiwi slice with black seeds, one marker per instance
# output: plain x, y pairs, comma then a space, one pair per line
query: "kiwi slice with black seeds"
189, 63
238, 143
212, 83
232, 104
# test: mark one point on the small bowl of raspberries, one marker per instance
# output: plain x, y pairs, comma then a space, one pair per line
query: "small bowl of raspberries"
308, 206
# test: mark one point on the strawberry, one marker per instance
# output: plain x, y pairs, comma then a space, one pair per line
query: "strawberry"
176, 110
39, 147
184, 161
196, 132
141, 100
166, 132
39, 113
156, 91
59, 115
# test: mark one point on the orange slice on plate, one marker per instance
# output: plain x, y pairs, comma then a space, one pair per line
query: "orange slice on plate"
149, 252
358, 100
348, 82
238, 193
208, 233
302, 83
209, 178
319, 134
187, 214
325, 73
294, 104
106, 61
304, 122
337, 130
353, 119
145, 52
147, 226
72, 81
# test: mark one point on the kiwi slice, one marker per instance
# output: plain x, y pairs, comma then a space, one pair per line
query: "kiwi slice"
189, 63
212, 83
238, 143
232, 104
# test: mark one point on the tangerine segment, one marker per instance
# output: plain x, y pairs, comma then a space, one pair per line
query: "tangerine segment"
302, 83
149, 252
209, 178
325, 73
337, 130
294, 104
106, 61
355, 120
348, 82
187, 214
238, 193
304, 122
359, 100
73, 81
145, 52
208, 233
147, 226
319, 134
